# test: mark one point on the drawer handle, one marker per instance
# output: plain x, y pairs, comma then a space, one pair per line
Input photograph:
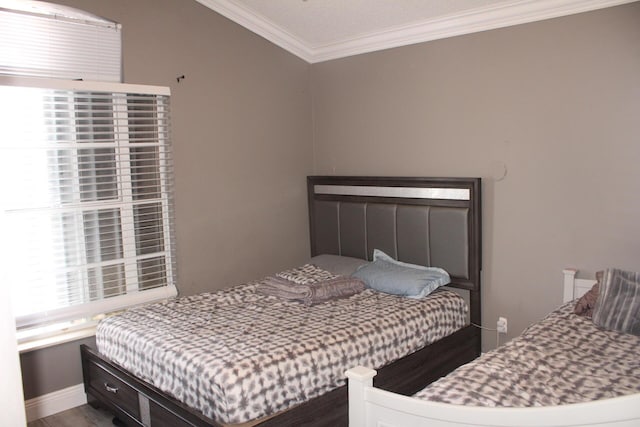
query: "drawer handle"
110, 389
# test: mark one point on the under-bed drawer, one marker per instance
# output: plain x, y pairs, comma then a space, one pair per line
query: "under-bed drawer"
112, 388
162, 417
134, 402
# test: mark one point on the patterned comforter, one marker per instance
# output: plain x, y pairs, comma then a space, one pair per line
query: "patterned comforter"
562, 359
236, 355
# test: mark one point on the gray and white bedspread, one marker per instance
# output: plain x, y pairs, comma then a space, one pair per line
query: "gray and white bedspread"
562, 359
236, 355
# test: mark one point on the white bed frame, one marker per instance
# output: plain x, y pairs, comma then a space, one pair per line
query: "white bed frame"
369, 406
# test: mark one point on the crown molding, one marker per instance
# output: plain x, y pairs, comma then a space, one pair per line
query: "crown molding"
261, 26
481, 19
476, 20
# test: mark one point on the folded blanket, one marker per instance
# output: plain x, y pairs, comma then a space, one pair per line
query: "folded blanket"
339, 287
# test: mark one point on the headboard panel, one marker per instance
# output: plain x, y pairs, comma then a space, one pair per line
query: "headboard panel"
427, 221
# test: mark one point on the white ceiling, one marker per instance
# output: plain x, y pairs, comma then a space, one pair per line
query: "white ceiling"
320, 30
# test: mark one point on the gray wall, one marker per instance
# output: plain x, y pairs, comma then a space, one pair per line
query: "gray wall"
241, 128
53, 368
557, 102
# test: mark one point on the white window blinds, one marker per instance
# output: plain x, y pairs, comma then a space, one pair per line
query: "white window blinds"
42, 39
86, 197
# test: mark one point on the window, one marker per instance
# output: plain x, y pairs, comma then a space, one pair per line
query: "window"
86, 198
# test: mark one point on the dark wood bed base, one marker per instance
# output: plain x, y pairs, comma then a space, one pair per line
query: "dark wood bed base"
110, 386
135, 402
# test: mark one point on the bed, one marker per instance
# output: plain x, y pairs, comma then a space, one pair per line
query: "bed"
423, 221
600, 366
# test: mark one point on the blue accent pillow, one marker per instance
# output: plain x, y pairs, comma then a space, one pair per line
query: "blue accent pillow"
387, 275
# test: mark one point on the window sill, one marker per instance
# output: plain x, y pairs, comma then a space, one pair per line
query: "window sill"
86, 325
39, 343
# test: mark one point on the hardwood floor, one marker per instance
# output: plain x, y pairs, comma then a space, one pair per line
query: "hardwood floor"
82, 416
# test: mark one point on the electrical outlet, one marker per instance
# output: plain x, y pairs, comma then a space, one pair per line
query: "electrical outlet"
502, 325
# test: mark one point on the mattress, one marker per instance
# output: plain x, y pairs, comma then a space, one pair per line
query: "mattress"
236, 355
562, 359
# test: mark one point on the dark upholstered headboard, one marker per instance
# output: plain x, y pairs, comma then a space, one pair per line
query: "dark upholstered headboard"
427, 221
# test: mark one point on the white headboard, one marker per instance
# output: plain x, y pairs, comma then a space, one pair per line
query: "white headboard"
573, 287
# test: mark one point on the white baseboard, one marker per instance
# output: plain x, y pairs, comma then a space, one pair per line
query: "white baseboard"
52, 403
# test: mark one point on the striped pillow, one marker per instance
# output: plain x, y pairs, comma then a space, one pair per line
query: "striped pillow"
618, 306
